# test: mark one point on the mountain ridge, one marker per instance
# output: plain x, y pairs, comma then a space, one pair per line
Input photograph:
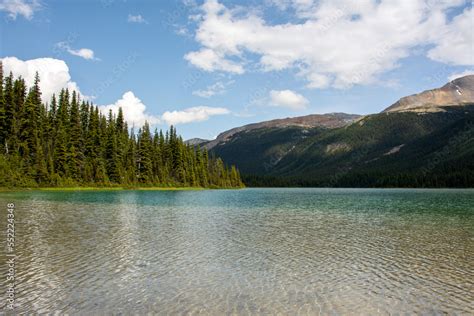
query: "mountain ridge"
456, 92
420, 143
329, 120
459, 91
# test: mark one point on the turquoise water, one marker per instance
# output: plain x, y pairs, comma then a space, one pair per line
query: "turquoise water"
251, 251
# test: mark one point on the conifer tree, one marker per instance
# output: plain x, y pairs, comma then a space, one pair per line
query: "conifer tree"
111, 157
145, 166
10, 114
70, 142
3, 130
76, 154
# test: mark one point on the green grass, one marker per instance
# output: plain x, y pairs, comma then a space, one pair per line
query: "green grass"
104, 189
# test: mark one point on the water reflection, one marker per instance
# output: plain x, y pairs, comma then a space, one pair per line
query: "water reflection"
258, 251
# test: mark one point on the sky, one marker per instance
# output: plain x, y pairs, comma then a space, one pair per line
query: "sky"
208, 66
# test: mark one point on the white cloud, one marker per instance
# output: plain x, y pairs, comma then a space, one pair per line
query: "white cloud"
85, 53
133, 109
54, 74
455, 43
317, 80
337, 43
136, 19
214, 89
209, 60
466, 72
288, 99
194, 114
19, 7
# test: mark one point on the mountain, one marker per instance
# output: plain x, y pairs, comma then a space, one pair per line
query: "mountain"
195, 141
414, 144
457, 92
331, 120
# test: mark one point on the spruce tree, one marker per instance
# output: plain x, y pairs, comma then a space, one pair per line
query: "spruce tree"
70, 142
145, 166
3, 130
10, 113
75, 148
111, 157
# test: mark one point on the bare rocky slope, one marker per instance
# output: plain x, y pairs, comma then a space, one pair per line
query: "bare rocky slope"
196, 141
331, 120
457, 92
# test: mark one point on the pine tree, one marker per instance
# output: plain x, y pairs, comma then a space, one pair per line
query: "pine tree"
145, 166
235, 177
3, 130
61, 165
70, 142
62, 150
84, 117
10, 113
75, 148
29, 130
131, 158
156, 157
22, 131
111, 157
121, 135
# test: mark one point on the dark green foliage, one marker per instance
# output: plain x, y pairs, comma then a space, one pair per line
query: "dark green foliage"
382, 150
69, 142
145, 167
3, 133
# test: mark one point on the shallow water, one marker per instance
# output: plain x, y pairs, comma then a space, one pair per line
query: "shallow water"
252, 251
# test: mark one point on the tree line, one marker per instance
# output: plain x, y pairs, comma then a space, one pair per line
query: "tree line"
69, 142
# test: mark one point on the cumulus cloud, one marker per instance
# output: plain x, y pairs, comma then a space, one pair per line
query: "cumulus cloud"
19, 7
194, 114
85, 53
335, 43
288, 99
133, 109
210, 60
214, 89
466, 72
54, 74
136, 19
455, 44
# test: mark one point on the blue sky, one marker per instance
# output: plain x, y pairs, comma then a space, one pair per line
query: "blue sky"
208, 66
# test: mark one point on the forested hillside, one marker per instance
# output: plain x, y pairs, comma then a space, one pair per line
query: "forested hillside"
69, 142
400, 149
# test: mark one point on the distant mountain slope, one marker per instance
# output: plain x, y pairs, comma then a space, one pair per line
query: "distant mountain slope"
428, 145
331, 120
395, 149
195, 141
457, 92
257, 151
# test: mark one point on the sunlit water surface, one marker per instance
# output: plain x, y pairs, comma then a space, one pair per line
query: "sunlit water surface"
252, 251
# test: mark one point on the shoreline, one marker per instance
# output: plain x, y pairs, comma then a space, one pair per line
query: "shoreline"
151, 188
72, 189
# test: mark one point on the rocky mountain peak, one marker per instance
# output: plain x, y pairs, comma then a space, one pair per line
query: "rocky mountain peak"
457, 92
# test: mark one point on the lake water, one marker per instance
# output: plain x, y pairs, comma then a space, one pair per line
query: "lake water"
251, 251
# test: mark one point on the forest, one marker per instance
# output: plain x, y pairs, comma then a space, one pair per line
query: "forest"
68, 142
433, 150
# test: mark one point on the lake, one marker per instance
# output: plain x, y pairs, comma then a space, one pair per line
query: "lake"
250, 251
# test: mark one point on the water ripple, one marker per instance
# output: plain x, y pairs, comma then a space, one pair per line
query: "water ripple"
245, 252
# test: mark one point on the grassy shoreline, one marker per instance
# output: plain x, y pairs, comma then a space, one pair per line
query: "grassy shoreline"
72, 189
